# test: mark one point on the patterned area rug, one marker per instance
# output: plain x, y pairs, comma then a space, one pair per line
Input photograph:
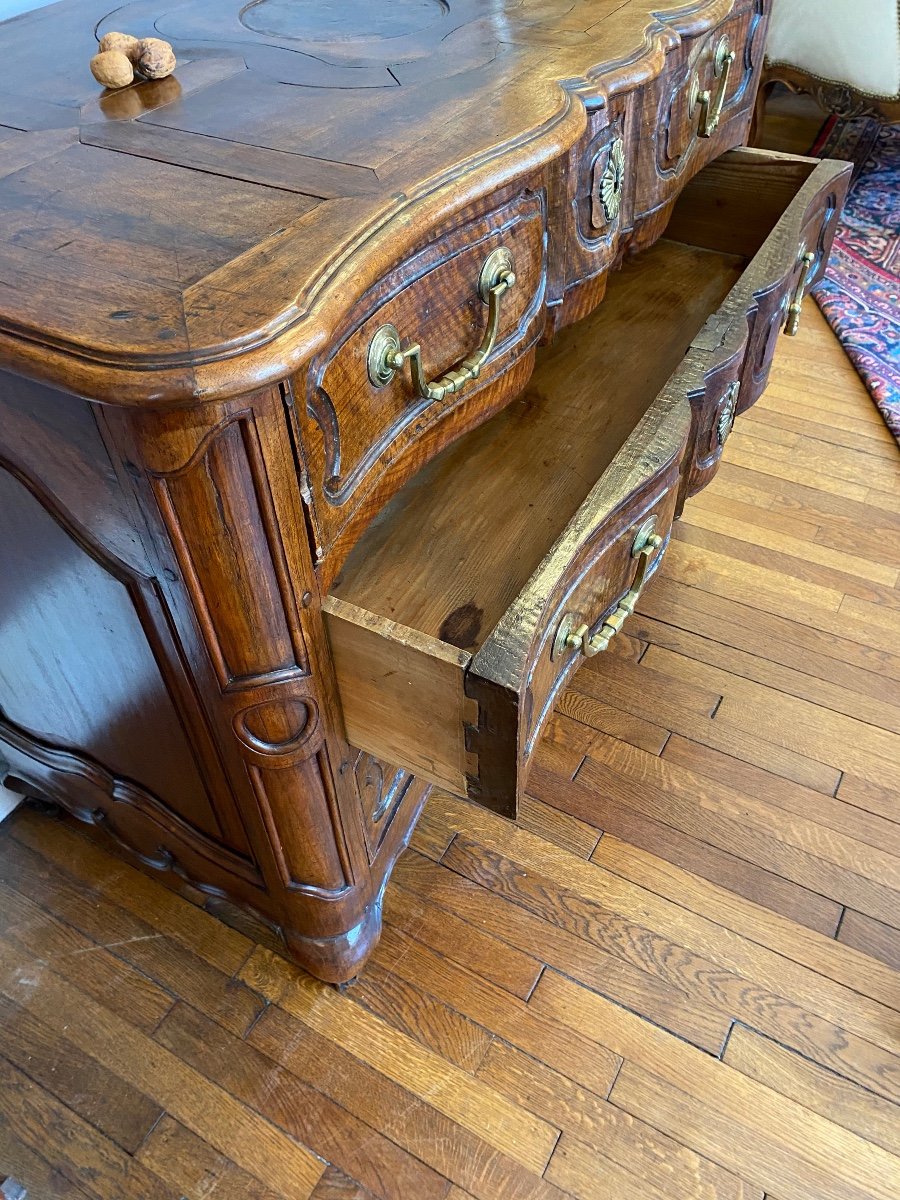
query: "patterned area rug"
860, 294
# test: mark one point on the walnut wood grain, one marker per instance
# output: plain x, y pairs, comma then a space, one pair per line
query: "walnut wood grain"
319, 153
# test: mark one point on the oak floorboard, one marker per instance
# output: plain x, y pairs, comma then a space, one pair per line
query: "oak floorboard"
733, 979
828, 1094
614, 975
835, 813
860, 694
303, 1112
628, 882
169, 964
696, 854
102, 1169
595, 684
409, 1009
407, 1117
588, 1121
799, 848
99, 1096
511, 1129
247, 1138
192, 1167
699, 1100
873, 937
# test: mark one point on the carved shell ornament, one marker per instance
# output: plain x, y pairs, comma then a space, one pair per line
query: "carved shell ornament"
726, 414
612, 179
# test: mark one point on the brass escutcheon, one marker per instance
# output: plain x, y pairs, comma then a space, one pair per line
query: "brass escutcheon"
725, 423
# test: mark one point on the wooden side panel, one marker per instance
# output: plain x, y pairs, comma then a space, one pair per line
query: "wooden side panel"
76, 669
402, 693
92, 680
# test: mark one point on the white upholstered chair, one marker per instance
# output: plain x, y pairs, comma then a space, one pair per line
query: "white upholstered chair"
845, 53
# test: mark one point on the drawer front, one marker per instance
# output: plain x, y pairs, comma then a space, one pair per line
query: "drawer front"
714, 405
699, 106
643, 145
586, 593
736, 347
793, 269
360, 416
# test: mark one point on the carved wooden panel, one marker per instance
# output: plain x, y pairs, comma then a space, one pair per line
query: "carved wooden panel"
236, 546
234, 555
81, 641
382, 790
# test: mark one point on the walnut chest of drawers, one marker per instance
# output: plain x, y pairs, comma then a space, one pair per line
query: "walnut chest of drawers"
352, 379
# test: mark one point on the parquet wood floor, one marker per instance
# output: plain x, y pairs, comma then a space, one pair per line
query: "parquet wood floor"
676, 978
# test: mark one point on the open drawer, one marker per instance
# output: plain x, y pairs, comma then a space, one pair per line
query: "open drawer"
468, 603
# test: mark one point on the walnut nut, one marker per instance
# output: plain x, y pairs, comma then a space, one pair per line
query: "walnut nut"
112, 68
131, 46
157, 59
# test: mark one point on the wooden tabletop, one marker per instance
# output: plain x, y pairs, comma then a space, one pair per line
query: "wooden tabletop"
195, 235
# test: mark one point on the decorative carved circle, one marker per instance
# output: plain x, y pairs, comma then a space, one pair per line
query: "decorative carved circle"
337, 21
612, 180
276, 727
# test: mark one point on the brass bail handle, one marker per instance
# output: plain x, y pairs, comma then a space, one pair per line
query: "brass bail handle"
576, 636
386, 356
792, 324
711, 109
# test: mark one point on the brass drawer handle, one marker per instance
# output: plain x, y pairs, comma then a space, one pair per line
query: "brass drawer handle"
711, 109
574, 634
807, 258
386, 356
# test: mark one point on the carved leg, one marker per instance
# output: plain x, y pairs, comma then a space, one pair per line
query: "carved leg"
337, 959
219, 486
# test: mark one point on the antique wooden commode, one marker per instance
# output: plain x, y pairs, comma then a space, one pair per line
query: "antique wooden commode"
332, 437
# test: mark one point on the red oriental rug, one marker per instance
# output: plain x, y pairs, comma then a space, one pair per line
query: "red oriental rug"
860, 294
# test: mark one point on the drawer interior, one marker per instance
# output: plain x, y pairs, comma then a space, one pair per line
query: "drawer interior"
430, 580
455, 546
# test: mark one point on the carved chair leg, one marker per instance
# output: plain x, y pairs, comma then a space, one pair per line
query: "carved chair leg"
757, 125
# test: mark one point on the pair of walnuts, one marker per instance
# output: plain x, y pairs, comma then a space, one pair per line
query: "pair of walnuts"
122, 56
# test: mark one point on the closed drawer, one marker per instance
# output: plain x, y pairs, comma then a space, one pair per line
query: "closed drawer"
699, 106
359, 415
645, 141
476, 593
